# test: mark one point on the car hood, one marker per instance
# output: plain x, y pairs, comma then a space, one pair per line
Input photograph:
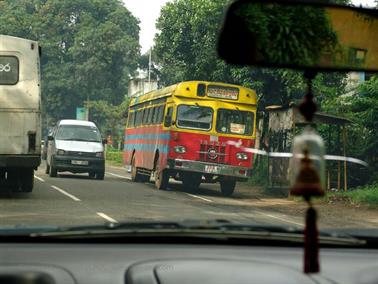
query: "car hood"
79, 146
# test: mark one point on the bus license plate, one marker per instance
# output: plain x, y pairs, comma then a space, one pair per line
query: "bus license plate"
211, 169
81, 163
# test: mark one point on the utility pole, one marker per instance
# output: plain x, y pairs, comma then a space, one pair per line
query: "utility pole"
87, 108
149, 68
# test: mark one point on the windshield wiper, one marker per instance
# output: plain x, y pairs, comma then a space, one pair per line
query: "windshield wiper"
198, 228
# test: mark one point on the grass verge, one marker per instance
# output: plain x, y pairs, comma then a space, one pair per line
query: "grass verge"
366, 195
114, 157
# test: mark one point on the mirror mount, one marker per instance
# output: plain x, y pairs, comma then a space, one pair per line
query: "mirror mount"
308, 107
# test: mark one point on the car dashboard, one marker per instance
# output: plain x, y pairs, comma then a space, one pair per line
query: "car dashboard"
93, 263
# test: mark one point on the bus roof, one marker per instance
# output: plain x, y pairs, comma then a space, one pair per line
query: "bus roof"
189, 90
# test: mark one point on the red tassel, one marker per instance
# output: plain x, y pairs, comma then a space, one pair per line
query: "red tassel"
311, 246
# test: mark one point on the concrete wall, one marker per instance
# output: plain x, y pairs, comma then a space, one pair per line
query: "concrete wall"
140, 86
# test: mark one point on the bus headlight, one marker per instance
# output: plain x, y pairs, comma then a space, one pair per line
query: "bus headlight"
242, 156
61, 152
180, 149
100, 154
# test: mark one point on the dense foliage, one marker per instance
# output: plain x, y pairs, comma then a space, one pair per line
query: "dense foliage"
89, 49
186, 50
290, 34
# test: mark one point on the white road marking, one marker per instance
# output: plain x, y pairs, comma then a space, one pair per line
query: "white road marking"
39, 178
128, 178
106, 217
199, 197
65, 193
280, 218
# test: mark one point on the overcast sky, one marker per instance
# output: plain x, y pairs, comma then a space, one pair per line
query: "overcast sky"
147, 11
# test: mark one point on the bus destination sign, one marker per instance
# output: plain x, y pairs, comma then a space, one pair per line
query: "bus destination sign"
229, 93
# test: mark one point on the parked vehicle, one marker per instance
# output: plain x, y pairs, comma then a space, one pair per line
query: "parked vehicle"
75, 146
186, 130
20, 113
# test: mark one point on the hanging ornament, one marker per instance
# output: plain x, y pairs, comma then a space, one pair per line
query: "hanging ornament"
307, 171
307, 168
308, 177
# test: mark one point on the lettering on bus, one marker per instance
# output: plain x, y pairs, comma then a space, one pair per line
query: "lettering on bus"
230, 93
8, 70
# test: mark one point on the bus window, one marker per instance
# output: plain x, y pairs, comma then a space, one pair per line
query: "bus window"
130, 122
201, 90
161, 114
151, 116
234, 122
145, 114
168, 117
155, 115
149, 113
9, 66
139, 115
194, 117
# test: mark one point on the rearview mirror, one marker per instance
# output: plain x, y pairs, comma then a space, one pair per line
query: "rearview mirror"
300, 36
50, 138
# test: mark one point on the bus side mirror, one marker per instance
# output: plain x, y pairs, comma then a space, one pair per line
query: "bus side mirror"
104, 141
50, 138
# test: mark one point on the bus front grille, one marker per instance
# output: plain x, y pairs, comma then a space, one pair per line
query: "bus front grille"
213, 152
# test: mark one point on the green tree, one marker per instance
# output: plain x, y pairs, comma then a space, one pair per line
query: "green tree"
186, 49
89, 48
110, 118
362, 109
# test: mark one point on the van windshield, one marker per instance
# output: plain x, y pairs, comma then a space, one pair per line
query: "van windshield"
78, 133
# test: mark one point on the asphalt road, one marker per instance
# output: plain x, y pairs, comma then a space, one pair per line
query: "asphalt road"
79, 200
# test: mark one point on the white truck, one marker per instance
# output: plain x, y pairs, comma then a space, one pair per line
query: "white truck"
20, 113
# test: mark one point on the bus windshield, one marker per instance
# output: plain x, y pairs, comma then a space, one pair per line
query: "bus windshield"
234, 122
78, 133
194, 117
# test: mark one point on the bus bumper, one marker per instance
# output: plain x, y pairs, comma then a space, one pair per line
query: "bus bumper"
20, 161
209, 168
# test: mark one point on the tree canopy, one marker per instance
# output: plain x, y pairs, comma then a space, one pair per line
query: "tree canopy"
90, 48
185, 49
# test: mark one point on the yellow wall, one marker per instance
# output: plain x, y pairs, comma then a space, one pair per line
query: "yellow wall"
354, 31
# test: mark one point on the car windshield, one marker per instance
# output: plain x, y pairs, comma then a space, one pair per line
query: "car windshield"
194, 117
78, 133
180, 133
234, 122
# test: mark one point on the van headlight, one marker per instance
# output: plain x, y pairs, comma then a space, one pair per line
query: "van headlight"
179, 149
100, 154
242, 156
61, 152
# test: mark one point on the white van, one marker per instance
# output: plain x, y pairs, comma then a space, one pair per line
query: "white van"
75, 146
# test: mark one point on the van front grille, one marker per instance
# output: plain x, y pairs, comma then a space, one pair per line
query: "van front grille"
80, 154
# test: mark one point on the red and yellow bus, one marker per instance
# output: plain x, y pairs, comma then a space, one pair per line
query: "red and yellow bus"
183, 131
